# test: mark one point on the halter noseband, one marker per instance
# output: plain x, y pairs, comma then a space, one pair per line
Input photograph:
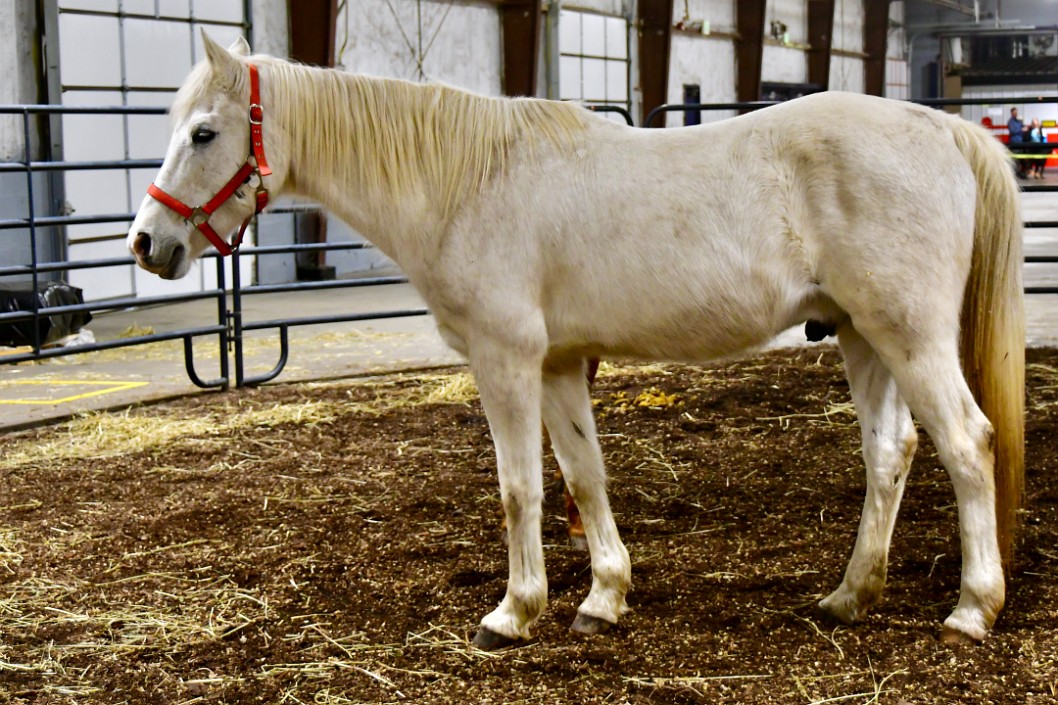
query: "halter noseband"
255, 164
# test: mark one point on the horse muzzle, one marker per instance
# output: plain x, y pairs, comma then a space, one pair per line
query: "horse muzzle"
166, 259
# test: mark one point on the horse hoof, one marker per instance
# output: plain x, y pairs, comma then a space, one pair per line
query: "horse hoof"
579, 542
488, 640
829, 618
586, 624
954, 637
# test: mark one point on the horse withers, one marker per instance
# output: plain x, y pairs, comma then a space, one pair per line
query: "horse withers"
542, 235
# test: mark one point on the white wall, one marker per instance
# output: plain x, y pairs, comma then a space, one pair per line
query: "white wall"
707, 60
782, 64
459, 42
846, 72
897, 77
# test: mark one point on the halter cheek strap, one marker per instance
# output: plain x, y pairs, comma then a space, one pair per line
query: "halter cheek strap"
256, 164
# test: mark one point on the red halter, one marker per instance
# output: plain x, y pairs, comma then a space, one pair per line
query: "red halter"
255, 164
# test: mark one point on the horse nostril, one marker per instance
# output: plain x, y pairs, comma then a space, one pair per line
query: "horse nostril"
141, 246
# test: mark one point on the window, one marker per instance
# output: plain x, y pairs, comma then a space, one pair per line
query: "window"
593, 62
126, 53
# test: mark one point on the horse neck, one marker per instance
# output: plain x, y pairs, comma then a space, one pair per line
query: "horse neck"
343, 155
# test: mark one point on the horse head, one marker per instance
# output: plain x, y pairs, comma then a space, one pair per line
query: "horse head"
213, 177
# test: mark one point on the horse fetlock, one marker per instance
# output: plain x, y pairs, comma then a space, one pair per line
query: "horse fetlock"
605, 602
965, 626
513, 618
980, 602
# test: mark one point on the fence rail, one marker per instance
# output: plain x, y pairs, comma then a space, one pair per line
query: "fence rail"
229, 326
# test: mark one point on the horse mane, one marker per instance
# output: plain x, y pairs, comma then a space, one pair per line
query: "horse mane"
394, 137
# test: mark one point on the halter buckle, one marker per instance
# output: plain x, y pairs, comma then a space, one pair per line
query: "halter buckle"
256, 114
199, 217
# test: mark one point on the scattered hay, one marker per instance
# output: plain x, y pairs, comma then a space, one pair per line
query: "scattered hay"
845, 410
173, 612
106, 434
458, 388
136, 331
10, 551
620, 369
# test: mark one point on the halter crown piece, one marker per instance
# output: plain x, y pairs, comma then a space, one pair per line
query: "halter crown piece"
255, 164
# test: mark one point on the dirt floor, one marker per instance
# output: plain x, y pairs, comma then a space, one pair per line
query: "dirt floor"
338, 543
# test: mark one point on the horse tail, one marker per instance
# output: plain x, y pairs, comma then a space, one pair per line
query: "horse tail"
993, 321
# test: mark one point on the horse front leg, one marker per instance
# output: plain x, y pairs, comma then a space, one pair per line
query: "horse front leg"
508, 379
568, 417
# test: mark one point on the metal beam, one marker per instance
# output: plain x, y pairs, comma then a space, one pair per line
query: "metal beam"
521, 46
749, 48
820, 39
953, 5
875, 44
655, 40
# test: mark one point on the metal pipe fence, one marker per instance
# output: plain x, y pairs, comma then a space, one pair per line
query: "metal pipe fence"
229, 326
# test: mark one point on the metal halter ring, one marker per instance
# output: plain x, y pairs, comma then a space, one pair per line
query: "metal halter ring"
199, 216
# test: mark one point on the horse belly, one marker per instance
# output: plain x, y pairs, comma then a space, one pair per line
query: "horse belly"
672, 316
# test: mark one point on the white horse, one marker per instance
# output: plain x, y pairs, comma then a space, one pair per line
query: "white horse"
542, 235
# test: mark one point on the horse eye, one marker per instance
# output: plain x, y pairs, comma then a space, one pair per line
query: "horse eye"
202, 135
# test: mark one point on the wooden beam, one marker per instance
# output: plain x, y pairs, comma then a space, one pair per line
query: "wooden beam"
875, 45
312, 31
820, 38
312, 42
749, 49
655, 41
521, 46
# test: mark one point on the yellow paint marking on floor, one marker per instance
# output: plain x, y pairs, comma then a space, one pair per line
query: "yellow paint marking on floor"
109, 387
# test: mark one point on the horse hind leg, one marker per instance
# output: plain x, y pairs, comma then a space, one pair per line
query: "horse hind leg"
568, 417
889, 441
929, 376
577, 537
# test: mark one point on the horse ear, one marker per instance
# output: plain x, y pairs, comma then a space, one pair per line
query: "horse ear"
226, 67
239, 47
